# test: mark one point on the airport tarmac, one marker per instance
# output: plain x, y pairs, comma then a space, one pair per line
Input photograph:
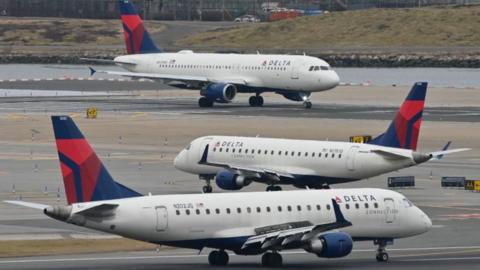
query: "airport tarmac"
138, 136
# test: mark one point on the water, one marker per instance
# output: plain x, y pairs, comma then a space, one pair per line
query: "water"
457, 77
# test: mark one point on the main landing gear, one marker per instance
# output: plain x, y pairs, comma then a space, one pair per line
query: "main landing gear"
382, 255
218, 258
307, 104
256, 101
273, 188
272, 259
205, 102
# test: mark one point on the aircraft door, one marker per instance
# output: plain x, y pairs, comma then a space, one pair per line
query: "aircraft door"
351, 158
162, 218
295, 67
390, 212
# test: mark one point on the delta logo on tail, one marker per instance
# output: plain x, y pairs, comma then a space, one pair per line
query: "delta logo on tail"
85, 177
404, 130
136, 36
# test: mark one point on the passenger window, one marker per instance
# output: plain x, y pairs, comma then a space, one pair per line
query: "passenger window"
293, 153
339, 155
249, 210
347, 206
357, 206
366, 205
333, 155
319, 154
265, 152
326, 155
214, 149
239, 210
319, 207
375, 205
207, 211
178, 212
289, 208
286, 153
299, 208
279, 152
259, 151
187, 212
220, 150
228, 210
328, 206
217, 211
252, 151
313, 154
268, 209
306, 153
197, 211
226, 150
272, 152
240, 150
309, 207
299, 154
233, 150
279, 209
258, 210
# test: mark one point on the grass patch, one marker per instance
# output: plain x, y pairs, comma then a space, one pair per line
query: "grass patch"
65, 31
427, 27
69, 246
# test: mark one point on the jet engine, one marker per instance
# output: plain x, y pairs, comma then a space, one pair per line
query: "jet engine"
229, 180
220, 92
331, 245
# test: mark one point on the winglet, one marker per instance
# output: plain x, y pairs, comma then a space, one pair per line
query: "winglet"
338, 213
203, 160
444, 149
92, 71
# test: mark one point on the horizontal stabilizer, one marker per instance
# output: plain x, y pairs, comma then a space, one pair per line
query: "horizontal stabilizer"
29, 204
439, 154
391, 154
101, 210
107, 61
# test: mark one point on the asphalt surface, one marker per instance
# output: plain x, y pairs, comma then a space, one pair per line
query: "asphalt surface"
453, 242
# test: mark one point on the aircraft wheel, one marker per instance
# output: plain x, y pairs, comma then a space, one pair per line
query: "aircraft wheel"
382, 257
277, 188
259, 101
205, 102
272, 259
207, 189
307, 104
252, 101
218, 258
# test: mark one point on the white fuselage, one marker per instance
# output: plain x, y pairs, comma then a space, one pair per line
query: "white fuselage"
228, 219
311, 162
254, 71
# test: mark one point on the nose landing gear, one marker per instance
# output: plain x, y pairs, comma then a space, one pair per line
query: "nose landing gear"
382, 255
208, 187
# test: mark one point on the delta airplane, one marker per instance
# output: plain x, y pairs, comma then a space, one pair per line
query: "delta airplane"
322, 222
235, 162
219, 77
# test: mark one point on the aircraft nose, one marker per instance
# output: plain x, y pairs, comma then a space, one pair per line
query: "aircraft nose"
428, 222
332, 80
424, 222
179, 161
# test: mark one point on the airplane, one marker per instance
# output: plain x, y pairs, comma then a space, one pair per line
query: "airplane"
235, 162
218, 76
322, 222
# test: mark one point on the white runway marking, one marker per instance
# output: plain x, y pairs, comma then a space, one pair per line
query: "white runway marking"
195, 255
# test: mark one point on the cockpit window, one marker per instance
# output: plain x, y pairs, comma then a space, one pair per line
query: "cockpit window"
311, 68
407, 203
324, 68
188, 147
317, 68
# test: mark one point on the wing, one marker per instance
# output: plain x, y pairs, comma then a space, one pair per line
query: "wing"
29, 204
258, 171
171, 77
292, 235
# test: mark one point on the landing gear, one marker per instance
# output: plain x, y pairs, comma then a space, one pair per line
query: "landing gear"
382, 255
307, 104
270, 259
274, 188
325, 186
205, 102
219, 257
208, 187
256, 101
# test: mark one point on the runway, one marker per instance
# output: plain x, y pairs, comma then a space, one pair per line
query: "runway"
461, 257
140, 130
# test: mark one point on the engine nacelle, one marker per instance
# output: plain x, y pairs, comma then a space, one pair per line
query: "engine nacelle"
331, 245
296, 96
230, 180
220, 92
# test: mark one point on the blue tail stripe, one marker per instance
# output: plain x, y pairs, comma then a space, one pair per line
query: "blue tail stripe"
76, 175
64, 128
